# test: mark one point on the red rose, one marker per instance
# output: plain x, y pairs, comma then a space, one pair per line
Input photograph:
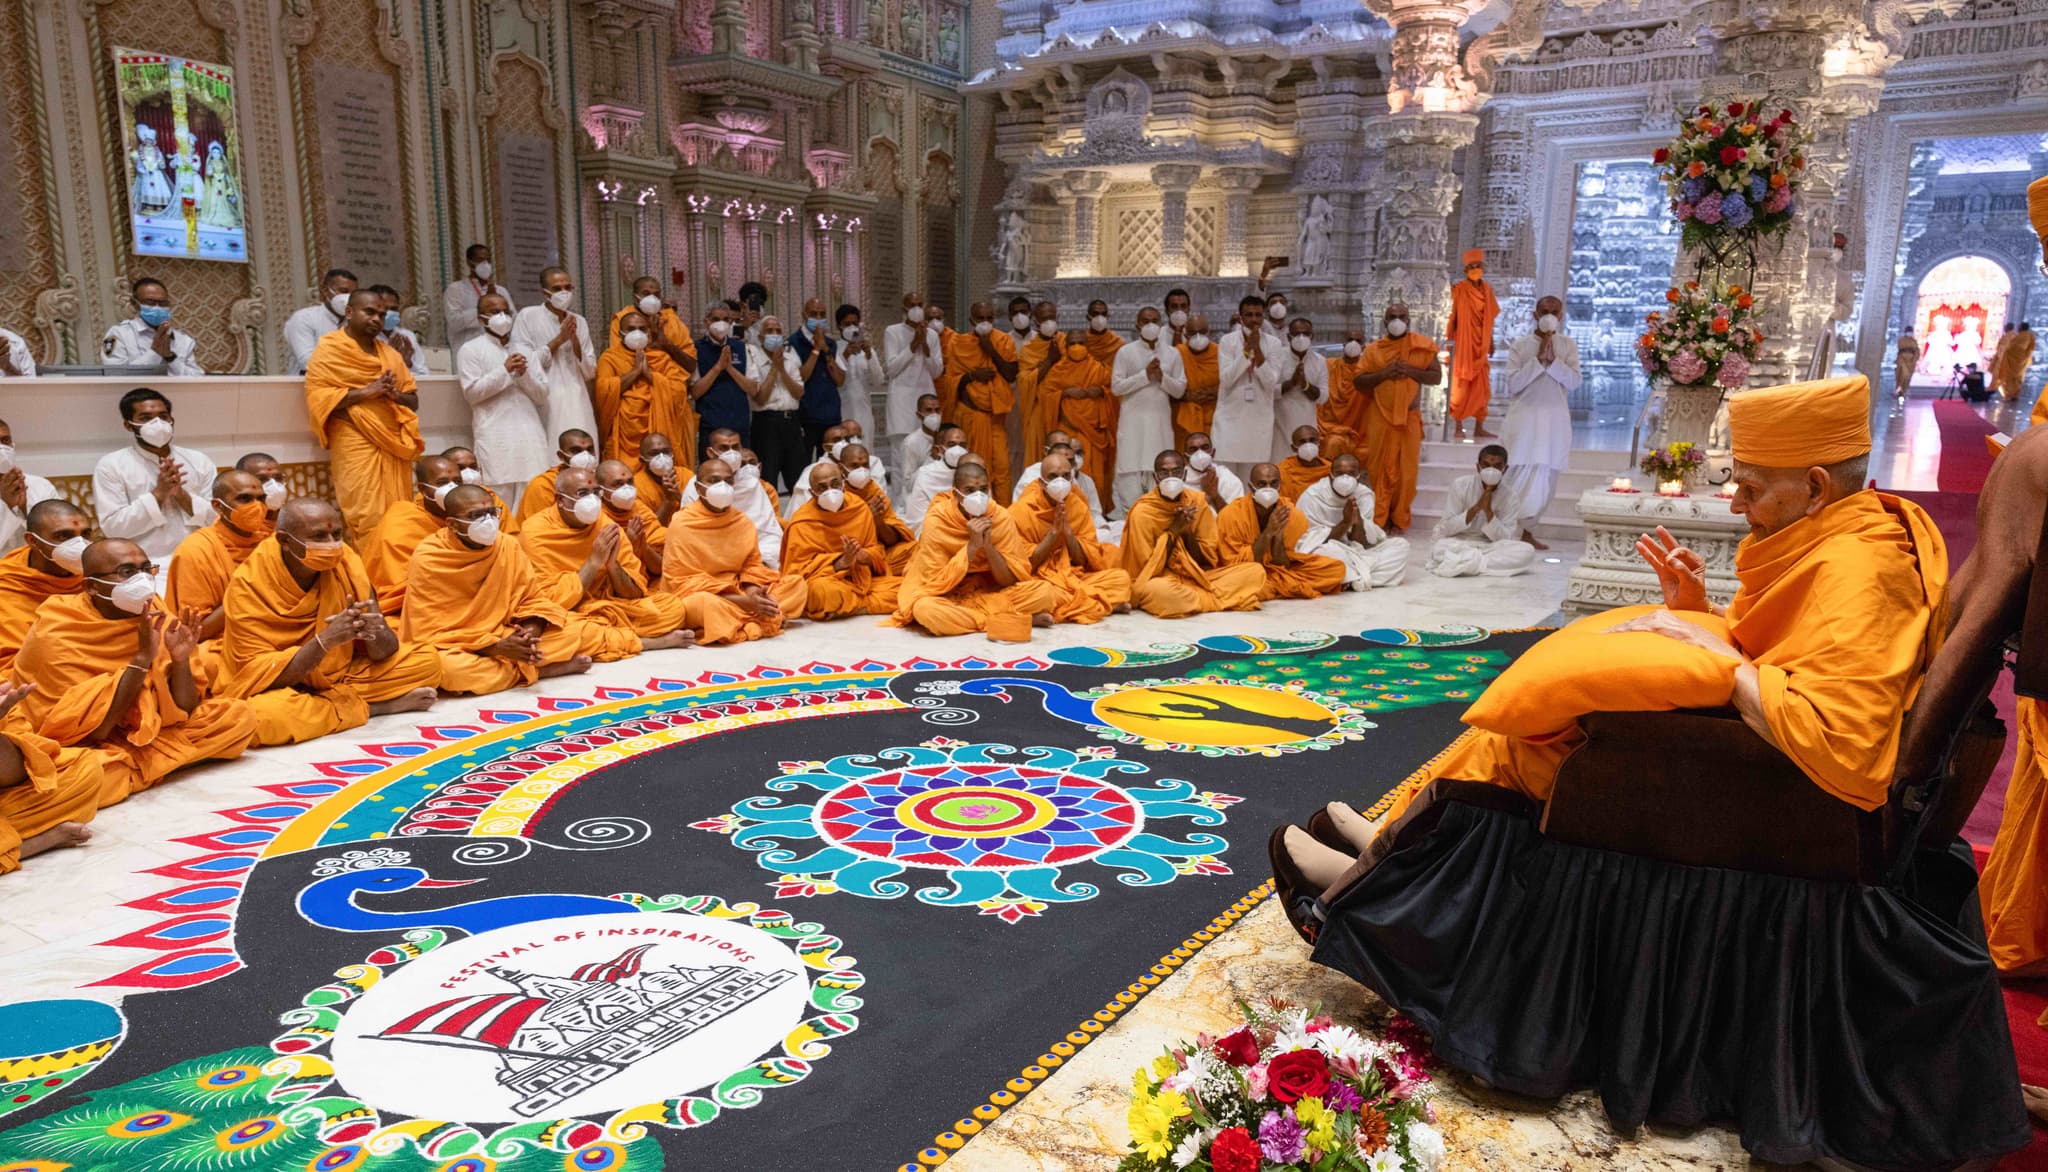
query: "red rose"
1234, 1150
1735, 110
1298, 1074
1238, 1047
1731, 156
1785, 116
1661, 155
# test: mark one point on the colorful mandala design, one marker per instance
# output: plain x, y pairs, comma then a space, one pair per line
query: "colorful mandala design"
1000, 822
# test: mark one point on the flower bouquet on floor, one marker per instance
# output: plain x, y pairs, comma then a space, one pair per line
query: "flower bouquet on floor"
1733, 175
1674, 466
1289, 1089
1707, 338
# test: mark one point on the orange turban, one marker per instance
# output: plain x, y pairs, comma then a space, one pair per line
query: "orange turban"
1474, 256
2037, 210
1801, 425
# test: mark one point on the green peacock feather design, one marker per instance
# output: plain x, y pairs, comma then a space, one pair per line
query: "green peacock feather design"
1374, 679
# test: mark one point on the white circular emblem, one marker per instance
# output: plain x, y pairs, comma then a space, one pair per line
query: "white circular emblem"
567, 1017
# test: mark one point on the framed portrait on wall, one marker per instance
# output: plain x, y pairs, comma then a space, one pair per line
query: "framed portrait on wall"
182, 154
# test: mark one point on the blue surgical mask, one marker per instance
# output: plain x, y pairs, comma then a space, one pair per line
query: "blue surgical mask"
153, 315
390, 320
814, 324
771, 341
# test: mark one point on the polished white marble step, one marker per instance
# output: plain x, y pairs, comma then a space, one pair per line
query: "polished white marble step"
1443, 463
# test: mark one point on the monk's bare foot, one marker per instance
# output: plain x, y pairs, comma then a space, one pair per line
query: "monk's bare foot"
63, 834
1120, 608
1530, 538
575, 665
2035, 1098
417, 700
682, 638
1352, 825
1458, 436
1479, 432
1041, 619
1320, 865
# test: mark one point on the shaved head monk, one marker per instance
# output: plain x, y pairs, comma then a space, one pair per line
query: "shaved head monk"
714, 561
1341, 417
864, 488
1196, 410
365, 412
207, 559
306, 644
1053, 518
619, 487
1305, 466
1174, 555
971, 566
981, 367
496, 622
640, 388
46, 567
265, 468
1074, 396
1831, 626
387, 550
658, 480
934, 478
472, 473
1392, 372
574, 448
112, 673
1339, 512
597, 572
1262, 529
831, 543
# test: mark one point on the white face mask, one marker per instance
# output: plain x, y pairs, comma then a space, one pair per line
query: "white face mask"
68, 553
1048, 327
720, 330
438, 493
851, 333
1277, 311
914, 315
732, 458
583, 460
748, 476
472, 476
133, 593
661, 463
649, 305
623, 496
156, 433
1308, 452
338, 304
1149, 331
586, 509
483, 530
930, 421
275, 493
1020, 322
859, 477
1301, 343
1489, 476
719, 495
974, 504
635, 339
6, 459
1177, 318
1198, 342
1200, 459
1098, 323
1172, 487
562, 299
1352, 349
482, 269
1266, 497
831, 499
1344, 485
1058, 487
499, 324
1397, 327
1547, 323
984, 328
834, 448
953, 455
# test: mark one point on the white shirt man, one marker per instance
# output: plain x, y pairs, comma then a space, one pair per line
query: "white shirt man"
913, 451
124, 497
1145, 419
749, 498
933, 479
418, 363
1477, 535
1225, 488
1245, 401
305, 327
908, 373
566, 371
132, 343
1294, 408
1538, 429
507, 423
857, 394
1378, 560
779, 396
21, 361
33, 490
458, 302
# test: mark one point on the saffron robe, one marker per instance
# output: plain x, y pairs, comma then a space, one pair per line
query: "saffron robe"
1092, 590
1166, 581
660, 404
1092, 422
888, 525
387, 552
1473, 311
983, 409
205, 563
2010, 890
1307, 575
370, 452
270, 618
947, 591
63, 785
653, 532
23, 590
1029, 355
1295, 476
538, 497
559, 549
1393, 428
2009, 365
1196, 409
811, 548
710, 554
1341, 417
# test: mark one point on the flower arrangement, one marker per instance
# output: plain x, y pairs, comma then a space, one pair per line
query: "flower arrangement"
1730, 172
1708, 338
1674, 463
1290, 1089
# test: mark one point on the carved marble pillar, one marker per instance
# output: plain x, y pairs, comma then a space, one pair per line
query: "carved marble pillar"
1238, 184
608, 23
1173, 181
729, 26
1082, 190
803, 42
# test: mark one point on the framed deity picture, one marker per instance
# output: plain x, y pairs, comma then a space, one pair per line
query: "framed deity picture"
181, 151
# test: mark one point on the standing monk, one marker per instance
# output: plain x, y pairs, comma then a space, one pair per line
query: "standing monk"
1034, 358
1073, 397
1054, 519
832, 545
1905, 362
1172, 552
1196, 409
1262, 529
365, 413
46, 568
713, 559
2009, 367
1341, 417
670, 335
971, 565
306, 645
641, 390
981, 365
1470, 330
1393, 372
595, 567
387, 549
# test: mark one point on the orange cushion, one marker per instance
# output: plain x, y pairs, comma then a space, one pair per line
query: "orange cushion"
1582, 668
1009, 628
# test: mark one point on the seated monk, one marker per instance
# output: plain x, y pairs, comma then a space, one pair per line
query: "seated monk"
658, 482
713, 559
864, 486
1174, 555
47, 793
473, 473
387, 550
1261, 529
1305, 466
1832, 623
619, 488
44, 568
1054, 520
598, 573
306, 644
574, 448
112, 674
640, 389
207, 558
265, 468
971, 565
831, 544
495, 621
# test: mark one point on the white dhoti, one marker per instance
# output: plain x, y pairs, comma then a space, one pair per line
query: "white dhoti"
1538, 430
1378, 561
1457, 558
1471, 541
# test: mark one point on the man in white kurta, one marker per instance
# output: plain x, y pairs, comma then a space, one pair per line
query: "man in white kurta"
863, 373
916, 446
148, 340
1217, 483
934, 477
1106, 531
459, 300
1339, 513
16, 359
1304, 384
150, 491
305, 327
1148, 379
20, 491
1480, 533
561, 337
1249, 368
911, 359
749, 498
501, 383
1543, 371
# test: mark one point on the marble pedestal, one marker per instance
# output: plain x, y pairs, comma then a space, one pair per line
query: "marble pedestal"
1611, 574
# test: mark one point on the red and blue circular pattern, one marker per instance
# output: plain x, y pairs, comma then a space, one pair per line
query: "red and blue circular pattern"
981, 817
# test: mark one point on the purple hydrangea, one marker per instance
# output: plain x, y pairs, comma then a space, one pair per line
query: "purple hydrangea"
1280, 1137
1759, 189
1693, 188
1686, 367
1708, 209
1341, 1098
1682, 209
1734, 370
1735, 211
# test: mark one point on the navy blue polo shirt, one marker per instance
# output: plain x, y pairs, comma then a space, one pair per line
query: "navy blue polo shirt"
725, 404
821, 394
